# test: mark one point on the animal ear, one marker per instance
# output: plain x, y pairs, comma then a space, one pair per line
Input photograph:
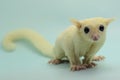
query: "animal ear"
109, 20
76, 23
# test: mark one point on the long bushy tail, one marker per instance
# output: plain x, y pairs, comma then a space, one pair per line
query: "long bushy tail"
37, 40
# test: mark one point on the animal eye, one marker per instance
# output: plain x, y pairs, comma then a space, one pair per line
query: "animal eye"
86, 30
101, 28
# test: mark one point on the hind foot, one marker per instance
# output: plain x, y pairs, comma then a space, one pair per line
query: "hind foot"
55, 61
98, 58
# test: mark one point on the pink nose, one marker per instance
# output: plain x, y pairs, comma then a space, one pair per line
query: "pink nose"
95, 37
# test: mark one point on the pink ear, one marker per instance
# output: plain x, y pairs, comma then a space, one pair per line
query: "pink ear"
76, 23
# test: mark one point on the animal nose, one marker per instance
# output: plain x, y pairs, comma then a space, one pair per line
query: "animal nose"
95, 37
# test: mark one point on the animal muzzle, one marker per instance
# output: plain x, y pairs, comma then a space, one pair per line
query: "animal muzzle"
95, 37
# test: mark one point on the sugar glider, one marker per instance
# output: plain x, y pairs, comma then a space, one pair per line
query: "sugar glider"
83, 39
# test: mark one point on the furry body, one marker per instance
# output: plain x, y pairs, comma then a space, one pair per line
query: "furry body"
73, 43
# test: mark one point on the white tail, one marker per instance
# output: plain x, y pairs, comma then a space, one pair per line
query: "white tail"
37, 40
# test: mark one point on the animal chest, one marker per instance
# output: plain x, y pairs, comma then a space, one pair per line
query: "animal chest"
82, 47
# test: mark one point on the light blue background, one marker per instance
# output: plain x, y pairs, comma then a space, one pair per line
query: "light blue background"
50, 18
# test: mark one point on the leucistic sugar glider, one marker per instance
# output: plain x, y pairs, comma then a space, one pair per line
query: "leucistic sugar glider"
83, 39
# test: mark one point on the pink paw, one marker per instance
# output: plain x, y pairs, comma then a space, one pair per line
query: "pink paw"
90, 65
77, 67
55, 61
98, 58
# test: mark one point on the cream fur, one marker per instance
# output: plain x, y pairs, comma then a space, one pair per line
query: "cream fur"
37, 40
73, 42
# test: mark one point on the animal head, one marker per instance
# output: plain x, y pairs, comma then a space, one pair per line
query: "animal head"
92, 29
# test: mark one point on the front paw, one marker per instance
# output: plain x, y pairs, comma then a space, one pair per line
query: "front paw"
90, 65
77, 67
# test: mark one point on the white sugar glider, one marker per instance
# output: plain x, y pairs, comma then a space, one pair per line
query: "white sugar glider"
83, 39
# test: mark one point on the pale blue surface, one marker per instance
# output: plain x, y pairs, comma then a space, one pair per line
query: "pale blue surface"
50, 18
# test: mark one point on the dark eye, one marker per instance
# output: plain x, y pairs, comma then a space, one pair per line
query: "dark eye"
86, 29
101, 28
